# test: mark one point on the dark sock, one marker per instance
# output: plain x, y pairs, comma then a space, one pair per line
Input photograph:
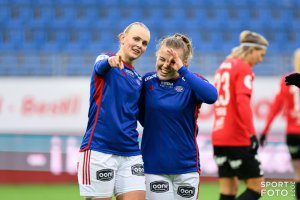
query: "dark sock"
226, 197
249, 195
298, 190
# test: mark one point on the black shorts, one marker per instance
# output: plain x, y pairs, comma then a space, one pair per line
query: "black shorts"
237, 161
293, 143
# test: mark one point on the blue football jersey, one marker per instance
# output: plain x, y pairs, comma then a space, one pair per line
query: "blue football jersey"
113, 110
168, 112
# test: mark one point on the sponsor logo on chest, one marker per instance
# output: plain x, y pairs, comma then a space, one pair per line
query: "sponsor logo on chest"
150, 77
166, 84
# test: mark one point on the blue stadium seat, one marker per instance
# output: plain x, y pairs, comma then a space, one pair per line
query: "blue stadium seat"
131, 14
196, 39
8, 62
7, 44
201, 16
17, 37
39, 37
104, 41
20, 2
80, 42
42, 17
64, 17
157, 14
76, 65
132, 3
56, 40
42, 3
295, 25
88, 3
4, 3
19, 17
218, 3
67, 2
108, 3
4, 15
239, 3
154, 3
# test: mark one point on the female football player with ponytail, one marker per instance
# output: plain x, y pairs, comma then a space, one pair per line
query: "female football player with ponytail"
233, 135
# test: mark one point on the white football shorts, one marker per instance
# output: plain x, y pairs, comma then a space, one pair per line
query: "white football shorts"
101, 175
172, 187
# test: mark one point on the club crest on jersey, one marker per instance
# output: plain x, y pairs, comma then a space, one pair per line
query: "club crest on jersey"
179, 88
248, 82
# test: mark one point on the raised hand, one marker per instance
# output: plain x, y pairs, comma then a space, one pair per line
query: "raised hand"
174, 60
116, 61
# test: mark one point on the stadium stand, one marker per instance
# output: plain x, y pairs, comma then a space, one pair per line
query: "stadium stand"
35, 28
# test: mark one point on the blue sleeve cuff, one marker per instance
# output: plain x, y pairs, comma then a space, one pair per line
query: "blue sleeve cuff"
183, 71
102, 66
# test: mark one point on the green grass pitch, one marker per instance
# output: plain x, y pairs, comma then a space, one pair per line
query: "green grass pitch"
208, 191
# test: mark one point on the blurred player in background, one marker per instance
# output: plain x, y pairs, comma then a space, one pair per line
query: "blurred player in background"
293, 79
110, 158
288, 99
233, 134
170, 102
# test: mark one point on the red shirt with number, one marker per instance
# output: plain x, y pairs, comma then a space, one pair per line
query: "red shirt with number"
233, 123
288, 100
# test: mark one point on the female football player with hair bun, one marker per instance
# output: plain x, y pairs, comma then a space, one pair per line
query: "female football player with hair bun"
170, 102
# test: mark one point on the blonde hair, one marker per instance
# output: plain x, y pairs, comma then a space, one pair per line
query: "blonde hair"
178, 41
249, 41
297, 60
127, 29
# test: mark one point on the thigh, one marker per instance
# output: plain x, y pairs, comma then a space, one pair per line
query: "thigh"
130, 176
96, 174
222, 158
247, 163
159, 187
186, 186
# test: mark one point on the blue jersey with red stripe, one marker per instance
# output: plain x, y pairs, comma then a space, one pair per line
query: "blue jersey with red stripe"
113, 110
168, 112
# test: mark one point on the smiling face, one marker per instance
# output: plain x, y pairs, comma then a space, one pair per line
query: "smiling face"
163, 64
134, 43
